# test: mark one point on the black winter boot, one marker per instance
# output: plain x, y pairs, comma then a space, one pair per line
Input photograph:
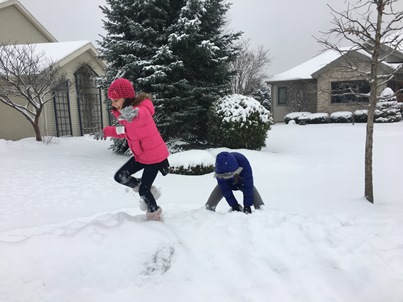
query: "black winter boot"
247, 210
237, 208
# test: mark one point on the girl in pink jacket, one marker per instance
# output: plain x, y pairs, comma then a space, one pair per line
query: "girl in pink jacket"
150, 153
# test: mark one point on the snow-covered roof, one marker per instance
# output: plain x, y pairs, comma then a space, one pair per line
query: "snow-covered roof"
61, 52
56, 52
311, 68
305, 70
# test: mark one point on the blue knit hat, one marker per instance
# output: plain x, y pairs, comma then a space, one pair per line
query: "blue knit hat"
226, 165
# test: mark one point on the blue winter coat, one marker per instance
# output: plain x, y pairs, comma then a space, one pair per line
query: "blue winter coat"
226, 162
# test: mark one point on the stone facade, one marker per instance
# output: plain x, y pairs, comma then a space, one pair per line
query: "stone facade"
334, 70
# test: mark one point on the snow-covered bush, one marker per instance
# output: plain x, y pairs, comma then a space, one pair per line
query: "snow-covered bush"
307, 117
267, 104
341, 117
238, 121
387, 108
318, 118
295, 116
360, 116
192, 170
400, 106
192, 162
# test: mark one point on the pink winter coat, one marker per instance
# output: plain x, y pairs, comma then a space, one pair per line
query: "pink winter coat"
142, 135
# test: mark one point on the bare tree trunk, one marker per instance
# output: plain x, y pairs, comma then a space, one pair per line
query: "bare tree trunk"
38, 136
36, 127
369, 188
369, 191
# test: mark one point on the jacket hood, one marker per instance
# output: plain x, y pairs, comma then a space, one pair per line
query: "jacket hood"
148, 105
226, 163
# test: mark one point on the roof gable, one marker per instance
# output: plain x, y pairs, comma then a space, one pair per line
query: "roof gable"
305, 70
352, 54
327, 59
63, 52
29, 16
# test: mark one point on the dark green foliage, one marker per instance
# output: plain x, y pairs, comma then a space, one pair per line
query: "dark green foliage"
177, 51
238, 122
345, 117
318, 118
387, 108
400, 106
120, 146
192, 170
296, 116
263, 95
360, 116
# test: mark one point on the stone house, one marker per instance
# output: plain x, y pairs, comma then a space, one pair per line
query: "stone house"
75, 111
324, 83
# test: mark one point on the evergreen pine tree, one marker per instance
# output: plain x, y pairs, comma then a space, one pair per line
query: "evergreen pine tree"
175, 50
198, 39
387, 108
135, 45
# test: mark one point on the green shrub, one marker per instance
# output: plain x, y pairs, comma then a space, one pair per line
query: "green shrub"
341, 117
192, 162
318, 118
192, 170
360, 116
296, 116
387, 108
237, 121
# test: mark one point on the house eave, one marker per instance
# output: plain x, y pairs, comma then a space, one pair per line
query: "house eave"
87, 47
286, 80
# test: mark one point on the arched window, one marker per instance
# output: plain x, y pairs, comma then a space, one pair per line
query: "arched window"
61, 102
89, 100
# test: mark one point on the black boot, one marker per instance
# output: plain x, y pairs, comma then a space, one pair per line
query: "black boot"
247, 210
237, 208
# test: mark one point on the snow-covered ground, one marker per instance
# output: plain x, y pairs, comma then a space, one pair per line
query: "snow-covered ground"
69, 233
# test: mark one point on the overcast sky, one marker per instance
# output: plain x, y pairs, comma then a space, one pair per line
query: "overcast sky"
284, 27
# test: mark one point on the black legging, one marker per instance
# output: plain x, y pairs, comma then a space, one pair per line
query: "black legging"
124, 177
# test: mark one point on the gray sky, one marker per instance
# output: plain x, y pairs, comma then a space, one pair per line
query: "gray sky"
284, 27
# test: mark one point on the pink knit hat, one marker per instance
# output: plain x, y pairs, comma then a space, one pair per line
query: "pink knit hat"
121, 88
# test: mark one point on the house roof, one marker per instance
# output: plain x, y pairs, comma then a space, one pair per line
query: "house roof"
63, 52
312, 68
29, 16
305, 70
358, 53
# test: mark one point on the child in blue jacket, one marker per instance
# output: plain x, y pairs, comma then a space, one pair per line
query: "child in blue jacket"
233, 172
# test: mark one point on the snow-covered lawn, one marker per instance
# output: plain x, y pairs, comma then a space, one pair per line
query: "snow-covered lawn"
69, 233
